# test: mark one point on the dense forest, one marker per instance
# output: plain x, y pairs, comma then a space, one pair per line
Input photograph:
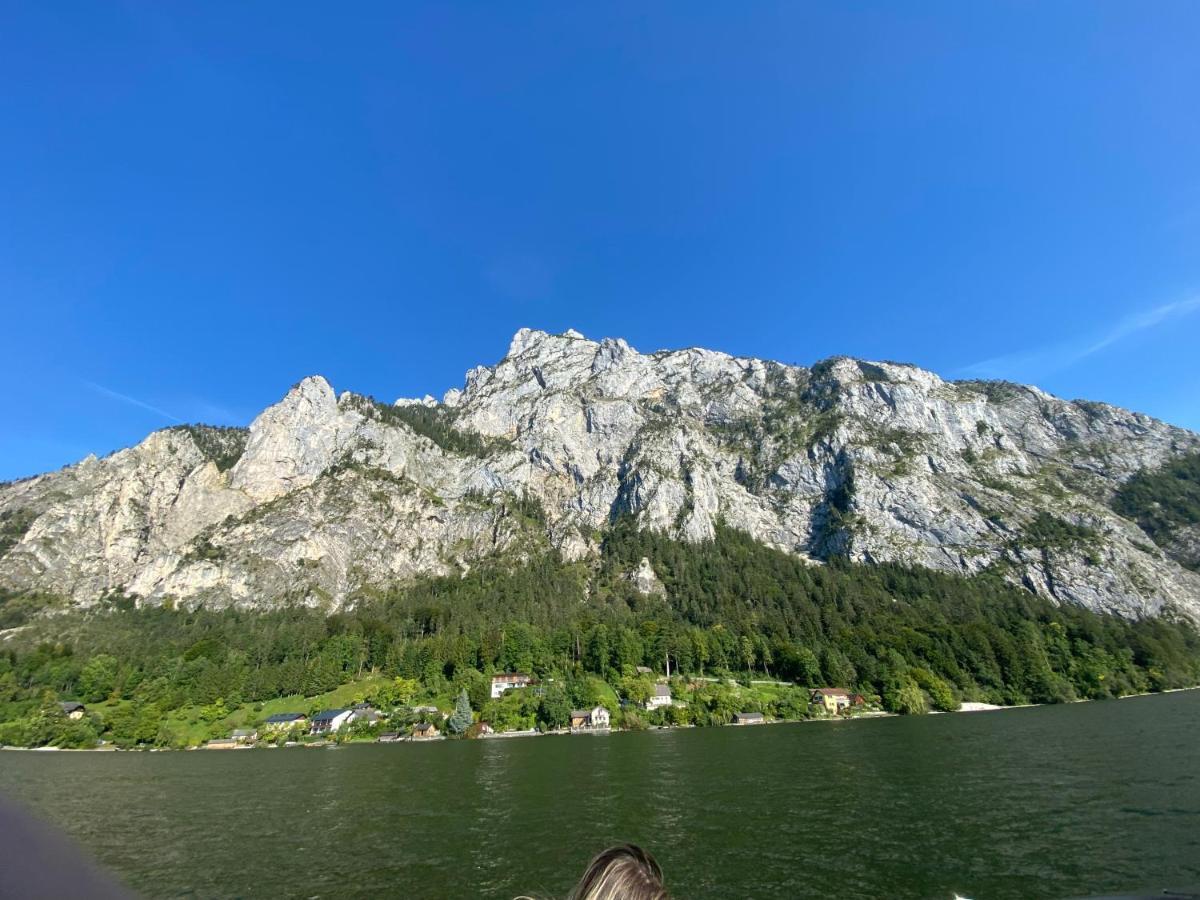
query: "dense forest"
908, 638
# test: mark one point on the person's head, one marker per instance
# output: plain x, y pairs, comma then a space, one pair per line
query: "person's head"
625, 872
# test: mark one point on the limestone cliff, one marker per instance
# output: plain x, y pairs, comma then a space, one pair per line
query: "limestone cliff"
328, 496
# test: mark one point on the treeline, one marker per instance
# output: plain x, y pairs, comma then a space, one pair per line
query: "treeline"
910, 637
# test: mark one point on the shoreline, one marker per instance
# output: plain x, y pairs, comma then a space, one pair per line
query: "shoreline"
966, 707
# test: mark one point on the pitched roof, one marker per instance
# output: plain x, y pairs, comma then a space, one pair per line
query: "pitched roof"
832, 692
662, 690
279, 718
242, 732
580, 713
71, 705
328, 715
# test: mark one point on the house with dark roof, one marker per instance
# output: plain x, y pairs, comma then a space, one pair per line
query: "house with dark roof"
748, 718
364, 713
425, 731
329, 720
284, 721
73, 709
659, 697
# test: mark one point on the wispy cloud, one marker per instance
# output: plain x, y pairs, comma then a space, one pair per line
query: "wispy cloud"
132, 401
1055, 357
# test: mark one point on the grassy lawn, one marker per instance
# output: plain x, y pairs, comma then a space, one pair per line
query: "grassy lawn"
187, 726
605, 692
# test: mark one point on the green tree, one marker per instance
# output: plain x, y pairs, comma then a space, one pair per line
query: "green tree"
906, 698
98, 679
636, 689
214, 711
940, 693
460, 719
554, 710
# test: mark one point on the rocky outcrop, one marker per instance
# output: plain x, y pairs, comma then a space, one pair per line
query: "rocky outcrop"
328, 496
645, 580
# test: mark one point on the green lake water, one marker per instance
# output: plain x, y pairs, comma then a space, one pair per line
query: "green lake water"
1026, 803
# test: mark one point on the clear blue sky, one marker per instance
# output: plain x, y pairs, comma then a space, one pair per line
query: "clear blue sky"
199, 206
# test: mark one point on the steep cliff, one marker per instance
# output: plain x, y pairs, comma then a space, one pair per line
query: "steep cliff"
327, 496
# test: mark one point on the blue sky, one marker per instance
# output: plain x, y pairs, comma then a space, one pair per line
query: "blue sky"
200, 205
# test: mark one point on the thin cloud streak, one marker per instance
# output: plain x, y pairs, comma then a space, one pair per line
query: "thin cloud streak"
1056, 357
132, 401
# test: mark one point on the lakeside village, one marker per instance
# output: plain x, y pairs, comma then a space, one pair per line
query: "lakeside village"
518, 704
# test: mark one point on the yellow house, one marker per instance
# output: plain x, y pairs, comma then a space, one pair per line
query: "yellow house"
833, 700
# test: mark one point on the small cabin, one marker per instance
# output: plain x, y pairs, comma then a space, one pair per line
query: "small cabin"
73, 709
424, 731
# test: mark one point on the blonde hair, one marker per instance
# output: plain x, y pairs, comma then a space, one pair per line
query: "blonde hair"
624, 872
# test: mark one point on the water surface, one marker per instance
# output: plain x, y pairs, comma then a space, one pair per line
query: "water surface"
1026, 803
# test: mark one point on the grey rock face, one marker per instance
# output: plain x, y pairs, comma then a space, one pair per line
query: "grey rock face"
646, 580
333, 496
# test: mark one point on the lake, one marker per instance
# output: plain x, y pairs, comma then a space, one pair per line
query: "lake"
1025, 803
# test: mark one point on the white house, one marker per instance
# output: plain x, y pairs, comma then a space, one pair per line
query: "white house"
330, 720
364, 712
506, 681
594, 719
659, 697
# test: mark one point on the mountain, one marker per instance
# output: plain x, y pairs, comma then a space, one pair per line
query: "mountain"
329, 497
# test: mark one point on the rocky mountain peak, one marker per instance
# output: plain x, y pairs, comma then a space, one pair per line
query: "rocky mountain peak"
292, 442
326, 495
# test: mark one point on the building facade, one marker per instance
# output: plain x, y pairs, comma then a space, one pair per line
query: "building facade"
329, 720
595, 719
659, 697
507, 681
832, 700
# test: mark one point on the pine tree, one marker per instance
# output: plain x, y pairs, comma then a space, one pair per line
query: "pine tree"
460, 719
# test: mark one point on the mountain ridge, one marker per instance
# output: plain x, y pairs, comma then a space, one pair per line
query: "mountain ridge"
328, 495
